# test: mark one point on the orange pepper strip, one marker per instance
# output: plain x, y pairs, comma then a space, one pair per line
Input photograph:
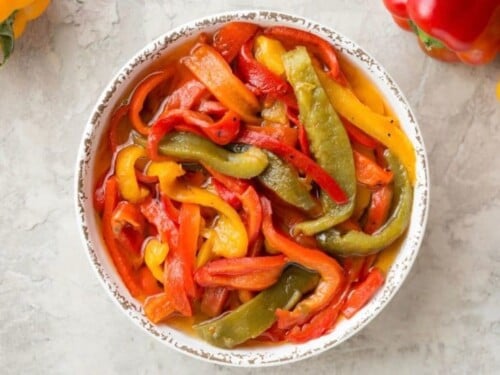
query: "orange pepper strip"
140, 94
189, 231
148, 281
215, 73
158, 307
369, 172
332, 275
121, 262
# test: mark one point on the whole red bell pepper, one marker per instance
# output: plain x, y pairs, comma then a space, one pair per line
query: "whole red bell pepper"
452, 30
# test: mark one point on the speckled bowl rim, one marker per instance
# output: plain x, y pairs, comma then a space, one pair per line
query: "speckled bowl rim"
100, 262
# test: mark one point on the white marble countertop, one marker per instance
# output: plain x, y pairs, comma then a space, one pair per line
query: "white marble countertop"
55, 318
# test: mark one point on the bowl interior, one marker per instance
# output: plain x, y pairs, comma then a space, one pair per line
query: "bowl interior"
88, 221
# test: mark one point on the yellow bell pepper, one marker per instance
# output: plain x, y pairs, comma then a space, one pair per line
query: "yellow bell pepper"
205, 254
125, 173
155, 253
268, 52
230, 230
14, 15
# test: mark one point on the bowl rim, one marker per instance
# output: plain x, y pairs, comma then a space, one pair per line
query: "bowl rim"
237, 357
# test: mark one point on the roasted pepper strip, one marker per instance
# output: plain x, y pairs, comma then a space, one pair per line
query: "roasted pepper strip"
121, 262
369, 172
125, 173
221, 132
268, 52
359, 243
383, 128
327, 139
324, 49
190, 147
285, 182
230, 37
257, 75
256, 316
248, 273
216, 74
140, 94
233, 230
158, 307
363, 293
298, 160
213, 301
331, 273
189, 231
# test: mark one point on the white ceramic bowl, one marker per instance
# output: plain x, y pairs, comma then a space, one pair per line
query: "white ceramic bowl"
102, 264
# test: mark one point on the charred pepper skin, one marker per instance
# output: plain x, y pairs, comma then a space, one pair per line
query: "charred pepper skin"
359, 243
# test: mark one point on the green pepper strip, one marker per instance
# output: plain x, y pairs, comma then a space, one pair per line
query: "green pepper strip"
192, 147
284, 181
257, 315
328, 139
359, 243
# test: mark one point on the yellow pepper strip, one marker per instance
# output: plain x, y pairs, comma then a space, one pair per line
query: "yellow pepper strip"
155, 253
383, 128
205, 254
363, 196
362, 87
125, 173
229, 226
28, 13
268, 52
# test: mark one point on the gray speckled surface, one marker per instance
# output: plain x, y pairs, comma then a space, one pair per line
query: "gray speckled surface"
55, 317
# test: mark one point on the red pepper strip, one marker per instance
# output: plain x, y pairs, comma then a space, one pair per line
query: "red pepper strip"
145, 179
140, 94
247, 273
155, 213
221, 132
148, 282
172, 211
212, 107
255, 281
299, 160
189, 231
273, 334
256, 248
321, 323
127, 213
158, 307
363, 292
99, 195
216, 74
257, 75
282, 133
303, 141
369, 172
228, 195
242, 266
229, 38
118, 115
253, 213
332, 275
185, 96
121, 262
379, 209
234, 184
213, 301
324, 49
357, 135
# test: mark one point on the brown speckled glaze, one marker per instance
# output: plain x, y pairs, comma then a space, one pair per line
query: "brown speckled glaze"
255, 356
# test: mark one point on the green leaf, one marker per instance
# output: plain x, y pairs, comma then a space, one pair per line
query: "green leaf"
428, 41
6, 38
